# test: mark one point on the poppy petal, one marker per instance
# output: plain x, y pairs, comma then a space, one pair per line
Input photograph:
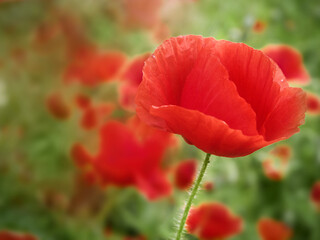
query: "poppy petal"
165, 72
209, 90
221, 140
287, 115
253, 73
154, 184
290, 61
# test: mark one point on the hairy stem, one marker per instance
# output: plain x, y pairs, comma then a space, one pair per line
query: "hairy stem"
192, 195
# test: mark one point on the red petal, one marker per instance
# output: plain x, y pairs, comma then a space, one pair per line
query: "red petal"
154, 184
287, 115
270, 229
208, 133
209, 90
165, 73
290, 62
257, 78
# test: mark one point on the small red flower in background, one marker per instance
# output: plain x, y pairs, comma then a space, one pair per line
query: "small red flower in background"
8, 235
142, 13
185, 173
57, 106
259, 26
313, 103
213, 221
129, 155
270, 229
236, 106
276, 164
92, 68
161, 32
208, 186
82, 101
315, 195
290, 62
94, 116
132, 77
135, 238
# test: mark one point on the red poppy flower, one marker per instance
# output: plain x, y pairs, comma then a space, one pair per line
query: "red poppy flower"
92, 68
8, 235
276, 164
290, 62
94, 116
270, 229
161, 32
225, 98
135, 238
315, 195
313, 103
213, 221
259, 26
57, 106
129, 155
185, 173
132, 77
142, 13
208, 186
82, 101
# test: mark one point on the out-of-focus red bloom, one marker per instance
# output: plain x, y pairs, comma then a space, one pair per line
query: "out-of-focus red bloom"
82, 101
313, 103
57, 106
94, 116
130, 155
225, 98
208, 186
185, 173
8, 235
92, 68
276, 164
315, 195
259, 26
135, 238
282, 151
142, 13
270, 229
132, 77
161, 32
290, 62
213, 221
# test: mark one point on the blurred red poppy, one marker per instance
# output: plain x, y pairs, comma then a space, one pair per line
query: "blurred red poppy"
225, 98
276, 164
132, 77
213, 221
184, 174
8, 235
92, 68
315, 195
313, 103
270, 229
129, 155
57, 106
95, 115
82, 101
142, 13
290, 62
161, 32
259, 26
208, 186
135, 238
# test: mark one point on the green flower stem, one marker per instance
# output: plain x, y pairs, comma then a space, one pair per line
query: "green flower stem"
192, 195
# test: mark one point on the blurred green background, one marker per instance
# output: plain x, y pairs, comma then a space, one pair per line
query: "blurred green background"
39, 189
